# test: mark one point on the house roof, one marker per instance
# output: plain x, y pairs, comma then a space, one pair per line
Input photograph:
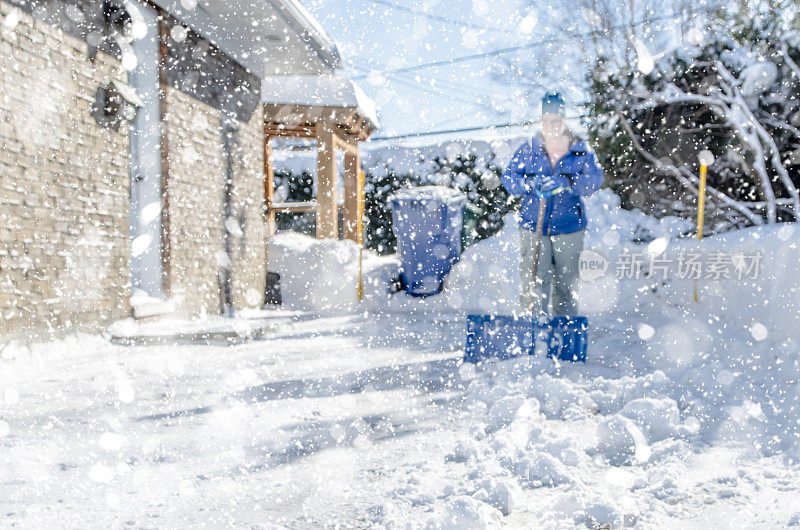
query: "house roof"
268, 37
328, 90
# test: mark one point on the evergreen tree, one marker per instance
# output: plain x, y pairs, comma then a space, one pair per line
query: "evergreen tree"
378, 233
479, 179
290, 187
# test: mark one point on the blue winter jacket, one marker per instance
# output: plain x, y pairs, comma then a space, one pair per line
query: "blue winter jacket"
578, 171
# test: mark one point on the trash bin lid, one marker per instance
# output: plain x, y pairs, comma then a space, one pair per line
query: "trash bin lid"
429, 193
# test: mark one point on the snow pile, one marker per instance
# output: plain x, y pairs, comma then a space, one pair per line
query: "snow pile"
721, 372
486, 278
621, 441
767, 302
657, 418
610, 225
464, 512
536, 425
322, 274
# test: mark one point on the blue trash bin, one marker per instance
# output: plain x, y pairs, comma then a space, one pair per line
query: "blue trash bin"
568, 338
427, 222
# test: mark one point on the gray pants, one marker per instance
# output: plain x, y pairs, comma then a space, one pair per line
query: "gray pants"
558, 272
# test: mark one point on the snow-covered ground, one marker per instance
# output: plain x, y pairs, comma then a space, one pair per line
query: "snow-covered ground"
685, 415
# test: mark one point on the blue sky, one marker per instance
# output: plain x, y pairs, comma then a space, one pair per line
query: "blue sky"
374, 37
377, 36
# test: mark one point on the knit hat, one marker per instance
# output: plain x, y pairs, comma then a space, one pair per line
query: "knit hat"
553, 103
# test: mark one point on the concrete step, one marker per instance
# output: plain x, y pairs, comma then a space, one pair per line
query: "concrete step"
214, 330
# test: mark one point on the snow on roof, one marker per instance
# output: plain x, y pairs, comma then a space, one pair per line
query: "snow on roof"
327, 90
266, 36
311, 26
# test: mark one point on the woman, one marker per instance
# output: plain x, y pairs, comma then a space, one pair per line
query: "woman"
561, 168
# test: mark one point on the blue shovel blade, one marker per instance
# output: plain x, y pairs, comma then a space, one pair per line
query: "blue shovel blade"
568, 338
499, 337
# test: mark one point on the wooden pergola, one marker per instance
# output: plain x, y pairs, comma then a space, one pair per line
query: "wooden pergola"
332, 128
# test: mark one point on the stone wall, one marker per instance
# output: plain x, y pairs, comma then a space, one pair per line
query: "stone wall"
249, 267
63, 185
65, 192
196, 176
196, 193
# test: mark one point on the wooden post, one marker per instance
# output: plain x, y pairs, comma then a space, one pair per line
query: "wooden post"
352, 164
163, 84
701, 202
706, 158
327, 213
269, 186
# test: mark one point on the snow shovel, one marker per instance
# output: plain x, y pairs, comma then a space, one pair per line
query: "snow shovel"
506, 336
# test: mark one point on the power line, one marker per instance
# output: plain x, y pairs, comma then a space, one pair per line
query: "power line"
418, 13
438, 82
436, 91
469, 129
452, 119
452, 131
437, 87
513, 49
432, 90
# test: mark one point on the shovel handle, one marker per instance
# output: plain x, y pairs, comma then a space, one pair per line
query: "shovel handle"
536, 244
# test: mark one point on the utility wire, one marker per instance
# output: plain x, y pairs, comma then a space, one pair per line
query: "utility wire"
438, 82
450, 120
469, 129
432, 90
463, 24
437, 87
513, 49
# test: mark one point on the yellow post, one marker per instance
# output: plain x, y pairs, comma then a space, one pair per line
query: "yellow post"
360, 237
701, 206
701, 201
706, 159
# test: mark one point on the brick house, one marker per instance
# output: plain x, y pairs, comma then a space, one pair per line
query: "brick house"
132, 154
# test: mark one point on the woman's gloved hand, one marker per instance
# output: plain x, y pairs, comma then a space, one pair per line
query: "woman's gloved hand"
543, 185
549, 186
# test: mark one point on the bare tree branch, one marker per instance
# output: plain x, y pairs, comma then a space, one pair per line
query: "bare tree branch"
684, 177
